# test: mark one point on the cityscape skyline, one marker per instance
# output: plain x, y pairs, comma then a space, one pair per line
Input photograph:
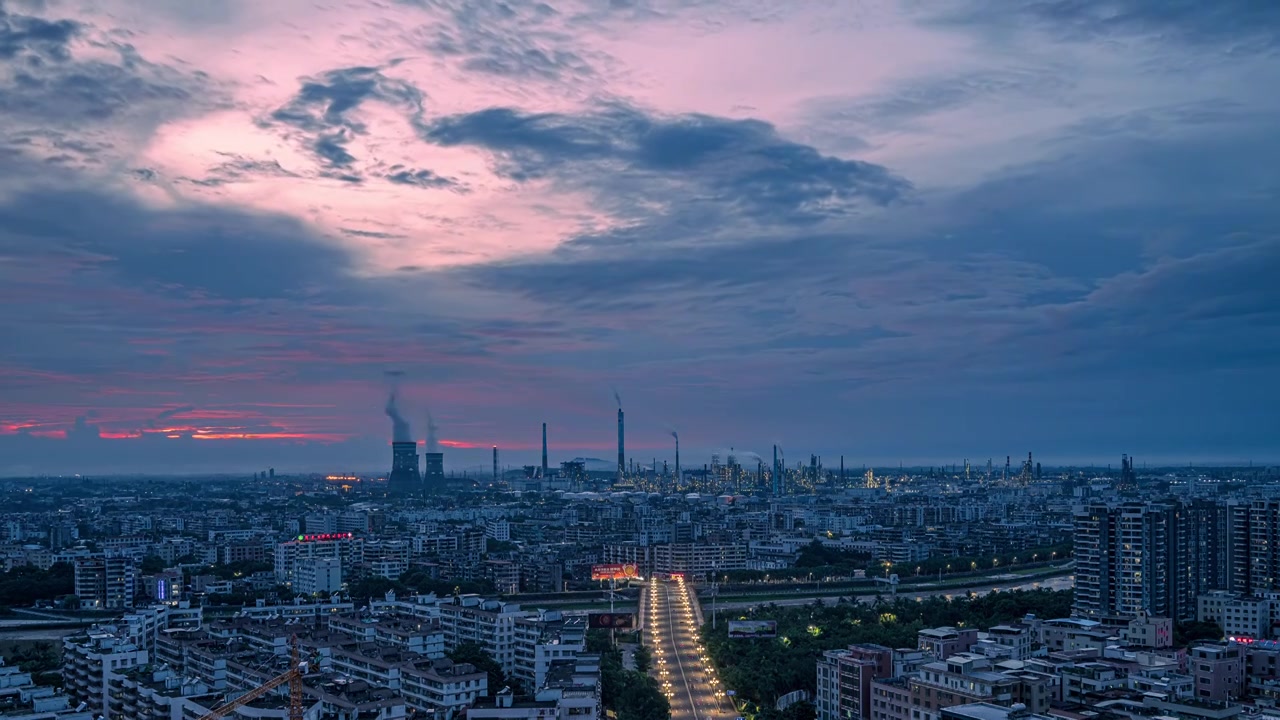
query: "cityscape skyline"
639, 360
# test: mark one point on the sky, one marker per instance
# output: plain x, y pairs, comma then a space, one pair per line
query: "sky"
897, 230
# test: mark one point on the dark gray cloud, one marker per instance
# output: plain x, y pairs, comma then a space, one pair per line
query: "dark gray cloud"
401, 175
1129, 268
518, 40
742, 165
1244, 25
571, 281
324, 111
188, 249
76, 108
35, 38
240, 169
909, 101
70, 93
1118, 191
1242, 294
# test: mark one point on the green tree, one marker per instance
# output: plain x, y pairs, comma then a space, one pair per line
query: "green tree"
632, 695
232, 571
475, 654
24, 585
38, 658
152, 564
640, 698
500, 546
1186, 633
373, 587
643, 659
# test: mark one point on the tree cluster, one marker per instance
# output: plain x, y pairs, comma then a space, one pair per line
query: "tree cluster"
411, 582
959, 565
1185, 633
816, 560
36, 658
474, 654
25, 584
633, 695
235, 570
762, 670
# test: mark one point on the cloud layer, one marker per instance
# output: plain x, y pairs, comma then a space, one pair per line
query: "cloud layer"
897, 231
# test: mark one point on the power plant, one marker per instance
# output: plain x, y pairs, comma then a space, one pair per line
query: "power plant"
404, 478
433, 471
414, 475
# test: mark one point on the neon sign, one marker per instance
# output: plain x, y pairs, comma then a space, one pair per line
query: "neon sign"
325, 536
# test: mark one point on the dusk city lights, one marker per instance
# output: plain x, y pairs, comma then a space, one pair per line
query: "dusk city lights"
640, 359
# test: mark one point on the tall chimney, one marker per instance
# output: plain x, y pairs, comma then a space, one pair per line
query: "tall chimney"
544, 450
777, 473
622, 461
677, 479
495, 463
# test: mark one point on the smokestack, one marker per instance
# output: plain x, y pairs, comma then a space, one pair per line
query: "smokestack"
677, 437
544, 450
777, 473
495, 463
622, 462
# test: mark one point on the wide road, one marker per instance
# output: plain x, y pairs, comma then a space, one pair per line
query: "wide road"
1062, 582
670, 631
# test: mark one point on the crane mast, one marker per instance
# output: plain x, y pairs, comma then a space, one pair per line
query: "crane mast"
292, 676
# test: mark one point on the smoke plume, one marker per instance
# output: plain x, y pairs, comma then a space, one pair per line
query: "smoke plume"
617, 398
675, 435
433, 444
400, 430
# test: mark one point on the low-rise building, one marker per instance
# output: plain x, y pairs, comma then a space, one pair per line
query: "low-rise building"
1218, 670
943, 642
844, 681
961, 678
317, 575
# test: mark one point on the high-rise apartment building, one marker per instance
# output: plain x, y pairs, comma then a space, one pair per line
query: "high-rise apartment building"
345, 547
1256, 546
1131, 559
1158, 557
105, 582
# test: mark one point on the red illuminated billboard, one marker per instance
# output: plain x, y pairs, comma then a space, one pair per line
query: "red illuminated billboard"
614, 571
324, 536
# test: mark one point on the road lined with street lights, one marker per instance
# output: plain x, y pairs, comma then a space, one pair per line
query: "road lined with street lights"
680, 663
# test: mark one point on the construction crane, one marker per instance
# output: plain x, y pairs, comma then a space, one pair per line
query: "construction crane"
293, 676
